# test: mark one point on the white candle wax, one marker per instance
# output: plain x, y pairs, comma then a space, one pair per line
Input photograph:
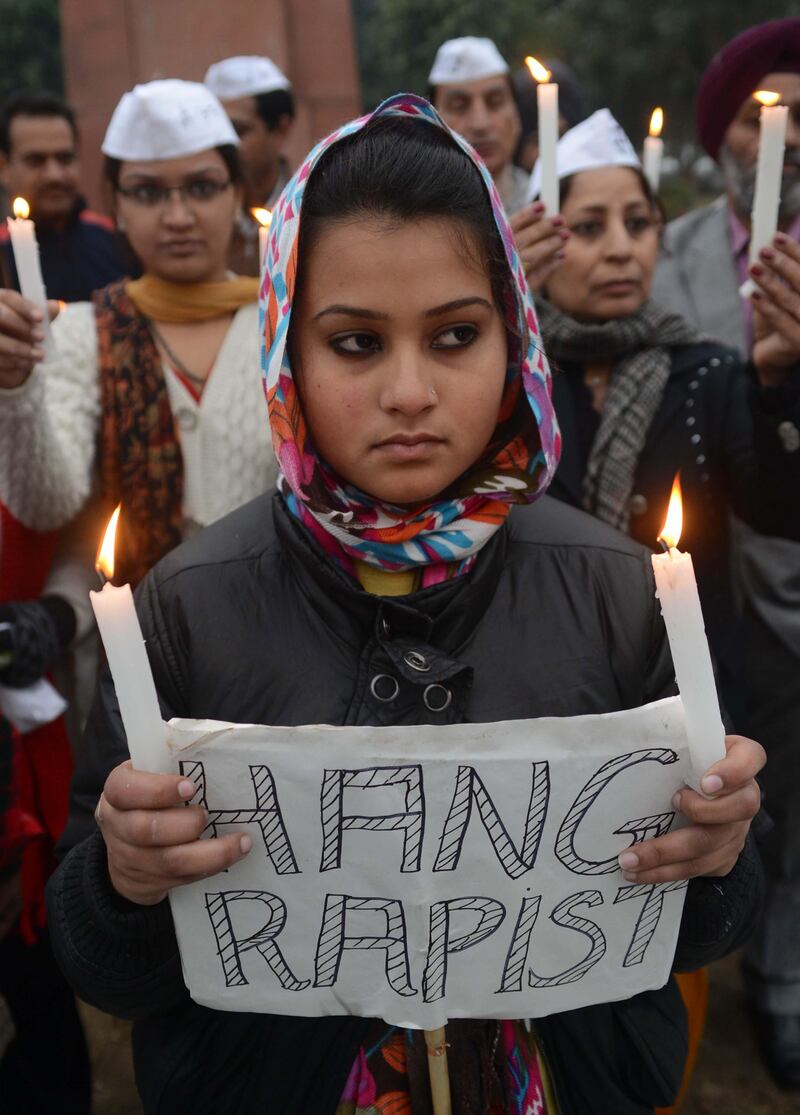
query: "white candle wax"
651, 161
22, 233
547, 103
263, 241
769, 174
133, 678
676, 589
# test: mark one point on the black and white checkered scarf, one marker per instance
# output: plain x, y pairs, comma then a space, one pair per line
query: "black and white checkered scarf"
638, 349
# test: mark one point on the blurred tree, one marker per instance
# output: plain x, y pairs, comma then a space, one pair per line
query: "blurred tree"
30, 46
630, 56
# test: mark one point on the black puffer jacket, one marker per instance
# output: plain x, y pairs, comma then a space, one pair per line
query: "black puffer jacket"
250, 622
735, 446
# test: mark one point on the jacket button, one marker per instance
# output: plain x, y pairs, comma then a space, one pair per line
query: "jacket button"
437, 697
186, 419
384, 687
417, 661
637, 505
715, 361
690, 421
695, 439
386, 629
694, 385
790, 436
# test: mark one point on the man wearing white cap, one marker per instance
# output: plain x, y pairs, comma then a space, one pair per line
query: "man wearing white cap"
257, 96
470, 86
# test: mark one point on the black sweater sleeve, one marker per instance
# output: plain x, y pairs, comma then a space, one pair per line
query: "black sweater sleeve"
758, 437
120, 957
720, 913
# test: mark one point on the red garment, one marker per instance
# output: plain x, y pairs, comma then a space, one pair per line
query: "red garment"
43, 759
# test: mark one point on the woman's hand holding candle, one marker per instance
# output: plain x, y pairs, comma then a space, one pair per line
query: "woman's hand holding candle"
21, 337
776, 310
720, 822
540, 242
152, 836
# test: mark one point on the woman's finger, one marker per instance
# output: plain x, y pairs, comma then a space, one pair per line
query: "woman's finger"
164, 868
743, 761
685, 859
740, 805
151, 828
127, 788
16, 309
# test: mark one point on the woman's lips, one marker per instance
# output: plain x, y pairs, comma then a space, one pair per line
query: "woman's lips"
618, 286
404, 448
181, 247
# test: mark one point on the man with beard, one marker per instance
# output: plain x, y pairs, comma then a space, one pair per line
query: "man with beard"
39, 162
705, 260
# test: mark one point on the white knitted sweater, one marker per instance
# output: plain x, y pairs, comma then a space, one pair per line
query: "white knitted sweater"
49, 428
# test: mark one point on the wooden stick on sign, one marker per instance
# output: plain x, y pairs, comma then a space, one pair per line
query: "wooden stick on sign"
438, 1071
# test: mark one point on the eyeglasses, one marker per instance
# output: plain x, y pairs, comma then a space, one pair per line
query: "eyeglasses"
151, 195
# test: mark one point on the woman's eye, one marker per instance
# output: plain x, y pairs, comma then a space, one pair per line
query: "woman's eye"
356, 344
587, 229
147, 194
457, 336
638, 225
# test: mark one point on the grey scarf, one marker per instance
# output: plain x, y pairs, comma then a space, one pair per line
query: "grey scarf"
638, 348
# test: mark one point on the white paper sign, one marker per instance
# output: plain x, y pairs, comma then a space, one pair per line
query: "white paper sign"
425, 873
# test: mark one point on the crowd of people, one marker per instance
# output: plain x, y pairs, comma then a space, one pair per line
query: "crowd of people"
474, 413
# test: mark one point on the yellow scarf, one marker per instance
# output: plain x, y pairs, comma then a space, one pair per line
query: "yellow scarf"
178, 303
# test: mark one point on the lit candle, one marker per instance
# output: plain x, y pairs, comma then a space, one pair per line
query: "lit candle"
547, 105
264, 218
22, 233
769, 175
654, 150
676, 589
127, 658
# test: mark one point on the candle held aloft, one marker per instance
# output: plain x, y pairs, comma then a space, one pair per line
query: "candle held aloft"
547, 106
653, 151
676, 589
127, 658
264, 218
769, 176
22, 233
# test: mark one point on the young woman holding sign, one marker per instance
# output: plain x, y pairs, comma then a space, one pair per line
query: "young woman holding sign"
406, 572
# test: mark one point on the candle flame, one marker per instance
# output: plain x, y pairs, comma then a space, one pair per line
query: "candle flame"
673, 524
263, 216
105, 555
539, 72
21, 208
656, 121
766, 98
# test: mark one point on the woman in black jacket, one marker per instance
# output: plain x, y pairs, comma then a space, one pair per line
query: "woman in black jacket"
410, 410
640, 395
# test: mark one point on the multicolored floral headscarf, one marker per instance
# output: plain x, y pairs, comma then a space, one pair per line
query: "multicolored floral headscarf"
443, 536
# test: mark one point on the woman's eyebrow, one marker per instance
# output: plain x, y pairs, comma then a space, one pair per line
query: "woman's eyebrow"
458, 304
144, 176
351, 311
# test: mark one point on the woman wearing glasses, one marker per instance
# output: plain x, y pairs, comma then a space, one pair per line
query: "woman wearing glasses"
153, 397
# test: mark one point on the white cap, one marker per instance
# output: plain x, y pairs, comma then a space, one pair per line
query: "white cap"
596, 142
167, 119
244, 76
467, 59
